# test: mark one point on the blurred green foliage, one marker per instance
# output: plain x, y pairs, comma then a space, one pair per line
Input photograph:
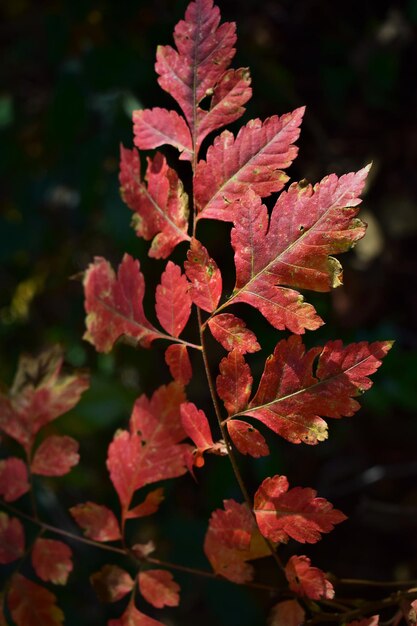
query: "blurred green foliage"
72, 72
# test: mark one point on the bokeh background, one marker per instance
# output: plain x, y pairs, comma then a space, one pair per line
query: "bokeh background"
72, 72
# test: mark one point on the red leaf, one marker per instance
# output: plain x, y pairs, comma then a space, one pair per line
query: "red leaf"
254, 159
13, 479
32, 605
247, 439
204, 276
97, 521
178, 361
114, 305
231, 540
205, 50
293, 248
52, 560
111, 583
149, 506
173, 303
151, 451
229, 95
287, 613
12, 539
296, 513
290, 399
133, 617
40, 393
160, 204
156, 127
366, 621
232, 333
234, 383
159, 588
196, 426
55, 456
308, 581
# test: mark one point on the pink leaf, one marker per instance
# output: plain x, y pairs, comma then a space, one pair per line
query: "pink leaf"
55, 456
32, 605
204, 276
156, 127
13, 479
52, 560
114, 305
160, 204
231, 540
232, 333
308, 581
229, 95
234, 383
204, 51
133, 617
173, 303
295, 513
178, 361
111, 583
97, 521
149, 506
287, 613
293, 248
12, 539
40, 393
159, 588
291, 399
255, 158
247, 439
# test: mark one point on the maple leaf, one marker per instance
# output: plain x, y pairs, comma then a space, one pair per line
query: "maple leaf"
111, 583
159, 588
160, 203
155, 127
255, 158
133, 617
114, 305
173, 303
149, 506
293, 247
150, 452
295, 513
232, 333
40, 393
52, 560
287, 613
290, 399
12, 539
366, 621
97, 521
234, 383
13, 479
56, 456
231, 540
204, 51
247, 439
204, 276
308, 581
31, 605
178, 361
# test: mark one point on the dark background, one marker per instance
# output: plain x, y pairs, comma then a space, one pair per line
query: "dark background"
72, 72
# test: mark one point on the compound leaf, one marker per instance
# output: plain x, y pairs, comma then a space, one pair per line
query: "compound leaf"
52, 560
295, 513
